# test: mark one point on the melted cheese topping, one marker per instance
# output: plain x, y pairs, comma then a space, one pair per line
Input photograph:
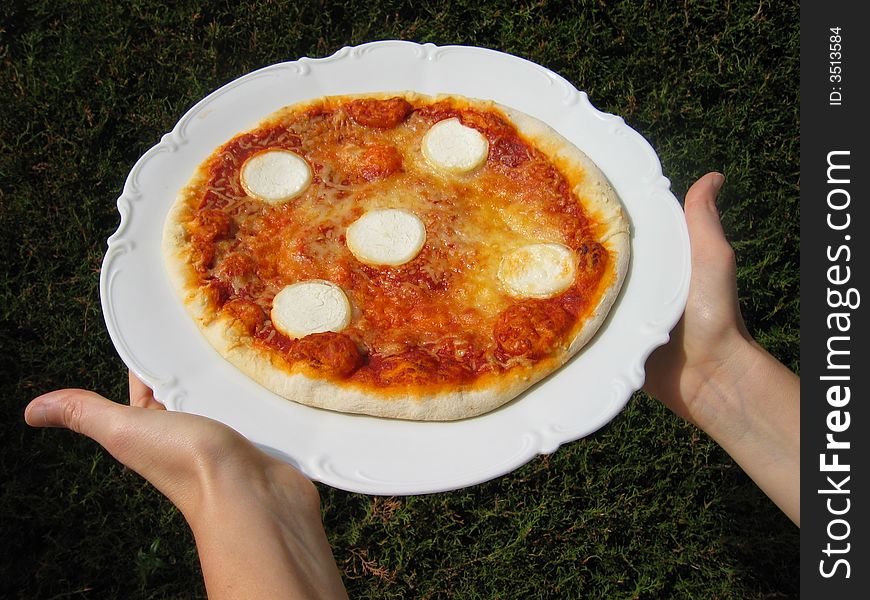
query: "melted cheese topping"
446, 301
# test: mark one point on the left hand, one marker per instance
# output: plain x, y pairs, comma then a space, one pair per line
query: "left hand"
270, 540
177, 452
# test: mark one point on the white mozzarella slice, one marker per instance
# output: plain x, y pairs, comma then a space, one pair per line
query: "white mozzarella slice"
389, 236
312, 306
451, 146
275, 175
537, 270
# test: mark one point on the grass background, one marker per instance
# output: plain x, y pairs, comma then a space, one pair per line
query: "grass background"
646, 508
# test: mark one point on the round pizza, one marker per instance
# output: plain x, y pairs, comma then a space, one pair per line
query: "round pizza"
398, 255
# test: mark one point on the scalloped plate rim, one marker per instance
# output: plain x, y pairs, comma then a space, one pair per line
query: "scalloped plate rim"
547, 437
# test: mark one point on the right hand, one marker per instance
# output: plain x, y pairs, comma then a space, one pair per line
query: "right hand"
711, 332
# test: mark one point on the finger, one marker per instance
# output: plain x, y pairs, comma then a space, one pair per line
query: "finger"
78, 410
141, 395
706, 235
137, 437
700, 206
714, 262
141, 439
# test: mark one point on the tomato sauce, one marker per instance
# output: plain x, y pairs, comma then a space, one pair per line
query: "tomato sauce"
408, 326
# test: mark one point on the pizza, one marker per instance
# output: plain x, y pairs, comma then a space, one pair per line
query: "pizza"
398, 255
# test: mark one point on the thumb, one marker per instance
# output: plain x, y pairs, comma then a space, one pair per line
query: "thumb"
78, 410
702, 217
136, 436
706, 236
142, 439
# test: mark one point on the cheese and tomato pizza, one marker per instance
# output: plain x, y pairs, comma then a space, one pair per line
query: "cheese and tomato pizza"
398, 255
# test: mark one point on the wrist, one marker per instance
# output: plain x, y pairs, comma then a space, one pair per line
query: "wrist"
755, 418
261, 531
746, 399
273, 491
719, 400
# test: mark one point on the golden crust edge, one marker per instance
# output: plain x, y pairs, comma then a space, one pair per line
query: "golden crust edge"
325, 394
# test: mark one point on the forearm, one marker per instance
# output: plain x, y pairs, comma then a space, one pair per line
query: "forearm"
264, 540
755, 417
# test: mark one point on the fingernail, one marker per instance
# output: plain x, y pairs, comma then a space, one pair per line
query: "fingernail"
44, 410
717, 181
35, 413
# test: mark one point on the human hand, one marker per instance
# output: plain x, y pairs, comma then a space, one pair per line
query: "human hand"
711, 332
178, 453
270, 540
714, 374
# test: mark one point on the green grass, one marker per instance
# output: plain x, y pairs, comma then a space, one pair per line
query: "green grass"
646, 508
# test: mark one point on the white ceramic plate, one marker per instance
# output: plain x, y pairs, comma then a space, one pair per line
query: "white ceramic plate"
161, 344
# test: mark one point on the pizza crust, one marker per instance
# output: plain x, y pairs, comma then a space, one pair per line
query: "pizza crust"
323, 393
232, 341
